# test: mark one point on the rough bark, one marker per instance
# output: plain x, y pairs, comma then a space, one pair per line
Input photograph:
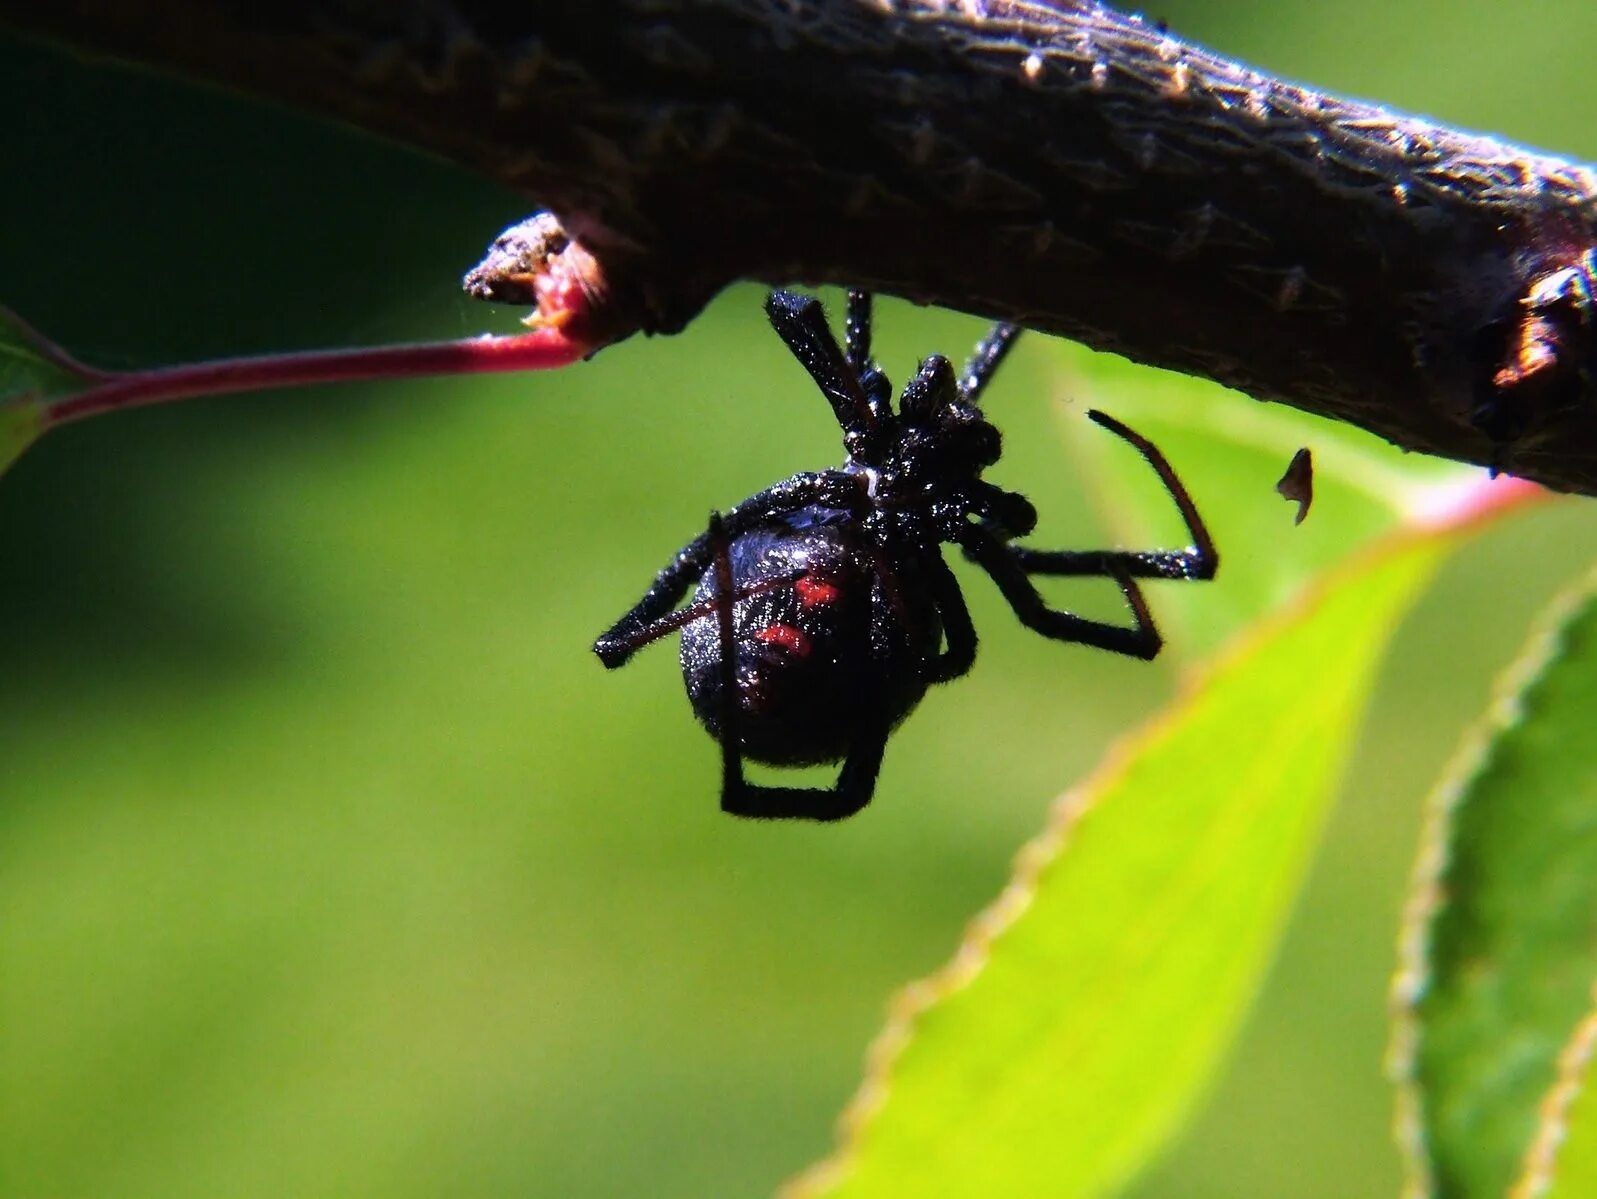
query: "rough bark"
1058, 164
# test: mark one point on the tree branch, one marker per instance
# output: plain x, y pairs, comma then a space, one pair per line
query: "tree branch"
1058, 164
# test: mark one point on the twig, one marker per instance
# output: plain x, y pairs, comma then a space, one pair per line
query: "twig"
1057, 164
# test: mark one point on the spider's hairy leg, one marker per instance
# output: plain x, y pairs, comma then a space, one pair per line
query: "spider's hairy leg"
999, 560
985, 359
856, 783
652, 618
857, 331
1199, 561
801, 323
959, 634
857, 352
1007, 514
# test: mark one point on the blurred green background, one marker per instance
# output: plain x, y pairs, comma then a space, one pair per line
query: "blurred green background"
330, 860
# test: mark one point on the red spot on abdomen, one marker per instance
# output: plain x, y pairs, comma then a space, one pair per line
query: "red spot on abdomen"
795, 641
813, 592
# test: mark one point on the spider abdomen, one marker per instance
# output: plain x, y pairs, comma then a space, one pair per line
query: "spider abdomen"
807, 673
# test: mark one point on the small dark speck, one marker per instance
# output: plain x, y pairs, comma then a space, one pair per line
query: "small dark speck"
1298, 483
1162, 25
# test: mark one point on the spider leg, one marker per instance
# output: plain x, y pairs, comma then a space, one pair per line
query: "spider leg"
679, 617
855, 784
1200, 561
984, 360
1135, 564
739, 797
857, 351
800, 322
857, 331
1006, 513
999, 560
959, 634
652, 618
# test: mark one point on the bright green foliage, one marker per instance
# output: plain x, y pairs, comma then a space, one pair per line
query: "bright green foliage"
1142, 924
333, 864
1512, 937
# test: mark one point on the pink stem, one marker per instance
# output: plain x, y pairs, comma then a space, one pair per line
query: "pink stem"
538, 350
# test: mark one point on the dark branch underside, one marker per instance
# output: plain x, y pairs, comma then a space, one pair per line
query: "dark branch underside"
1060, 165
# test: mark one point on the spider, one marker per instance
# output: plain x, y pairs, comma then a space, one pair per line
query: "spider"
841, 611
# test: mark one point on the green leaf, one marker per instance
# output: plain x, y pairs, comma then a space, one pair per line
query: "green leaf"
32, 372
1562, 1161
1092, 1002
1231, 450
1500, 950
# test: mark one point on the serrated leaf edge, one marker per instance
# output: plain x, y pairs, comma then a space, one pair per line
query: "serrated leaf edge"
1426, 898
1536, 1176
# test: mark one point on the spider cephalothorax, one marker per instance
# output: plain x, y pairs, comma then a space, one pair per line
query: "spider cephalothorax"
842, 611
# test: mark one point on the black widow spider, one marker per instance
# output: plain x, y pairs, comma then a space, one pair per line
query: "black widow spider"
842, 609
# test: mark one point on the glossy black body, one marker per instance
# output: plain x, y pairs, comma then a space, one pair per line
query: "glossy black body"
806, 665
842, 610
